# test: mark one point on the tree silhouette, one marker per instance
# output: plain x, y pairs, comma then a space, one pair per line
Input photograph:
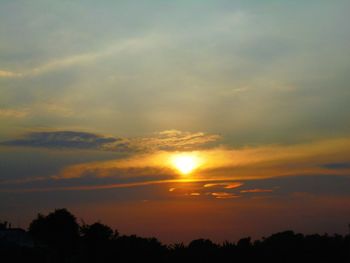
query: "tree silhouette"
202, 250
58, 230
3, 225
59, 238
96, 241
97, 232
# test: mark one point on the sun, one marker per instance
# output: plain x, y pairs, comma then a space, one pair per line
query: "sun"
185, 163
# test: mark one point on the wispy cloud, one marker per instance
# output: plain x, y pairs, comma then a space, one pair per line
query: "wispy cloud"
132, 44
64, 139
308, 155
100, 186
9, 74
89, 187
224, 195
166, 140
256, 190
14, 113
222, 167
233, 185
227, 185
174, 140
337, 165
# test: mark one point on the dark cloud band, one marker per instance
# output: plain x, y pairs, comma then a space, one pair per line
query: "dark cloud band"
166, 140
63, 139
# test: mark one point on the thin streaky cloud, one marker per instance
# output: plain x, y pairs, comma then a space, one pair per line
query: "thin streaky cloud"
259, 162
14, 113
165, 140
9, 74
227, 185
63, 139
257, 190
122, 46
224, 195
107, 186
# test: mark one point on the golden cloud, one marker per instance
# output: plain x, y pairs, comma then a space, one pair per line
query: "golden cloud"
220, 164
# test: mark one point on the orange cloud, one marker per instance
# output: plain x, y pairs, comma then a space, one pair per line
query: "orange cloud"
225, 185
233, 185
220, 166
224, 195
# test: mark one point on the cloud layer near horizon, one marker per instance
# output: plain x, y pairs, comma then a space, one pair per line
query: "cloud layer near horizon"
147, 161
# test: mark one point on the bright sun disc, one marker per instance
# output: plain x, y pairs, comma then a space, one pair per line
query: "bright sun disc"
185, 163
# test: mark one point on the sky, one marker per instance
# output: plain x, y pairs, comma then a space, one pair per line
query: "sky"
177, 119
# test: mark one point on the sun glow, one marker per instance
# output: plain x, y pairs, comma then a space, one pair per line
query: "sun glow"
185, 163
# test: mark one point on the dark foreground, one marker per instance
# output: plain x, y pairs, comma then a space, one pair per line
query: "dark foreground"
58, 237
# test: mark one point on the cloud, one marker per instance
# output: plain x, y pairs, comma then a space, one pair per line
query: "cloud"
98, 185
222, 167
174, 140
133, 44
233, 185
342, 165
299, 158
257, 191
89, 187
13, 113
170, 140
116, 169
224, 195
64, 139
221, 164
225, 185
9, 74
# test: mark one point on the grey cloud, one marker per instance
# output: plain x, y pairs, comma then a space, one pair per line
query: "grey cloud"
174, 140
336, 166
165, 140
63, 139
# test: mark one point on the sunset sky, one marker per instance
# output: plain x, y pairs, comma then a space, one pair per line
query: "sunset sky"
177, 119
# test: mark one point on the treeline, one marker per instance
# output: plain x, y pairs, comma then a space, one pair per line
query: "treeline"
58, 237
